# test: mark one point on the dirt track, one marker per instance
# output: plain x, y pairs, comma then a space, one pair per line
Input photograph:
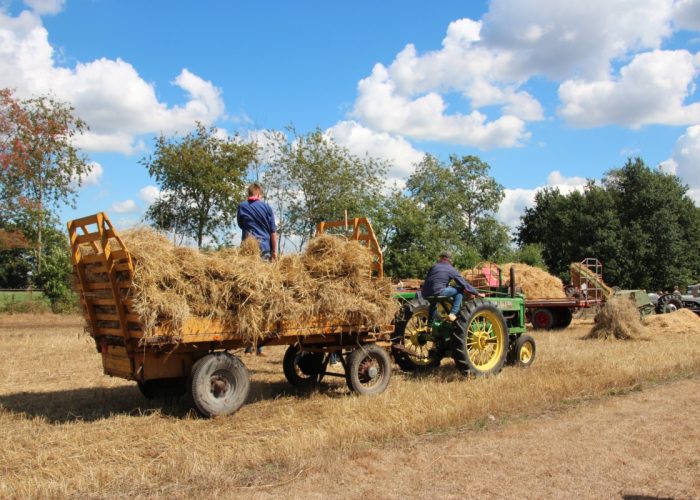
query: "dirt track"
644, 444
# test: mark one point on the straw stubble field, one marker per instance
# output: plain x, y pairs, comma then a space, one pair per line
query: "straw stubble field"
68, 430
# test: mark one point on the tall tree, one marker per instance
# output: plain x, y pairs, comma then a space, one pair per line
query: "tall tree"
311, 179
202, 178
39, 161
639, 223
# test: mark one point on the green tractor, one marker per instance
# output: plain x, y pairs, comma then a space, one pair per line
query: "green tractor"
487, 333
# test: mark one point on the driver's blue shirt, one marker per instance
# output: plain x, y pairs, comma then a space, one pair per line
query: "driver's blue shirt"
439, 278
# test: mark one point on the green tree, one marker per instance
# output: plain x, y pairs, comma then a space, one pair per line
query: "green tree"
639, 223
202, 179
311, 178
40, 164
445, 207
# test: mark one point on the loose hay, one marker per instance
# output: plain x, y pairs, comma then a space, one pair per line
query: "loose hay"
330, 282
682, 321
535, 283
618, 318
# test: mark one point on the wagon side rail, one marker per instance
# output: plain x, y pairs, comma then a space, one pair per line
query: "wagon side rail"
103, 275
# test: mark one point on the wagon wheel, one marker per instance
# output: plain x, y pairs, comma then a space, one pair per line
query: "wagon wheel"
564, 317
302, 368
368, 370
480, 339
414, 348
219, 384
542, 319
163, 388
523, 353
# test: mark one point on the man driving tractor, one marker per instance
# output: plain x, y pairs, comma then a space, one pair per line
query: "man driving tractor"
437, 283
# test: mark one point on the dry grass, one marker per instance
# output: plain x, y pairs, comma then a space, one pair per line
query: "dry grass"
70, 431
330, 280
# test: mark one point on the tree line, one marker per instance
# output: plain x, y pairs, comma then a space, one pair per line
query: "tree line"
638, 221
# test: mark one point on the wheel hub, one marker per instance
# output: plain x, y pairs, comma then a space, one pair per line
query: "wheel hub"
219, 386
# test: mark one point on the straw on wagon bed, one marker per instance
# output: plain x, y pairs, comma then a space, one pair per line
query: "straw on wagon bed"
330, 282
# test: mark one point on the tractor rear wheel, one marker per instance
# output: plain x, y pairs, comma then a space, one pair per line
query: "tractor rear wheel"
542, 319
480, 339
303, 369
220, 384
368, 370
414, 350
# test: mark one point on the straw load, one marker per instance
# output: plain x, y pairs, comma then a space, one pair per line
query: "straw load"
619, 318
682, 321
535, 283
329, 282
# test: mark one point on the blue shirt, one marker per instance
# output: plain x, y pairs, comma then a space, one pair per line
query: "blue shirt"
256, 219
439, 278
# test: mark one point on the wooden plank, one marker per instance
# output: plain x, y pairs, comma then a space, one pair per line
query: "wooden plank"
101, 285
90, 237
116, 362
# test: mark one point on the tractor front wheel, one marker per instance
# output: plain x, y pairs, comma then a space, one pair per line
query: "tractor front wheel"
523, 352
480, 339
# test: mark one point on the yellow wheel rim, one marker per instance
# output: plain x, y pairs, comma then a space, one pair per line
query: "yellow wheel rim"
526, 352
485, 340
414, 338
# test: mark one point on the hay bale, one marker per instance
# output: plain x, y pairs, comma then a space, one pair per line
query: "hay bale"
619, 318
330, 281
535, 283
682, 321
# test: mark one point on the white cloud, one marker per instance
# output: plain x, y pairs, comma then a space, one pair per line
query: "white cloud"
93, 177
46, 6
517, 200
361, 141
686, 14
685, 160
108, 94
149, 194
562, 39
124, 207
381, 108
651, 89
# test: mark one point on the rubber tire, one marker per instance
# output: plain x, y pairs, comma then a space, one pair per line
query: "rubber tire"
355, 359
459, 337
166, 388
666, 300
564, 317
225, 365
312, 371
542, 319
402, 359
522, 341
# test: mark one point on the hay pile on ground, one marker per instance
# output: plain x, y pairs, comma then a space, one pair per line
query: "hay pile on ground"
329, 281
682, 321
618, 319
535, 283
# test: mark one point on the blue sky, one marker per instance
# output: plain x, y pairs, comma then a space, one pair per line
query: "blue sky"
548, 93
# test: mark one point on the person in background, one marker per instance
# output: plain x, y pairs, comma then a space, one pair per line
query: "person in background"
257, 220
437, 283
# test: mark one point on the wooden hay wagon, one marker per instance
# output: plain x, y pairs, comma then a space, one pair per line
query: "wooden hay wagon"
196, 359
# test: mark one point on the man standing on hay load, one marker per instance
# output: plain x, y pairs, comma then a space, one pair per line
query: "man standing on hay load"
437, 284
257, 220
